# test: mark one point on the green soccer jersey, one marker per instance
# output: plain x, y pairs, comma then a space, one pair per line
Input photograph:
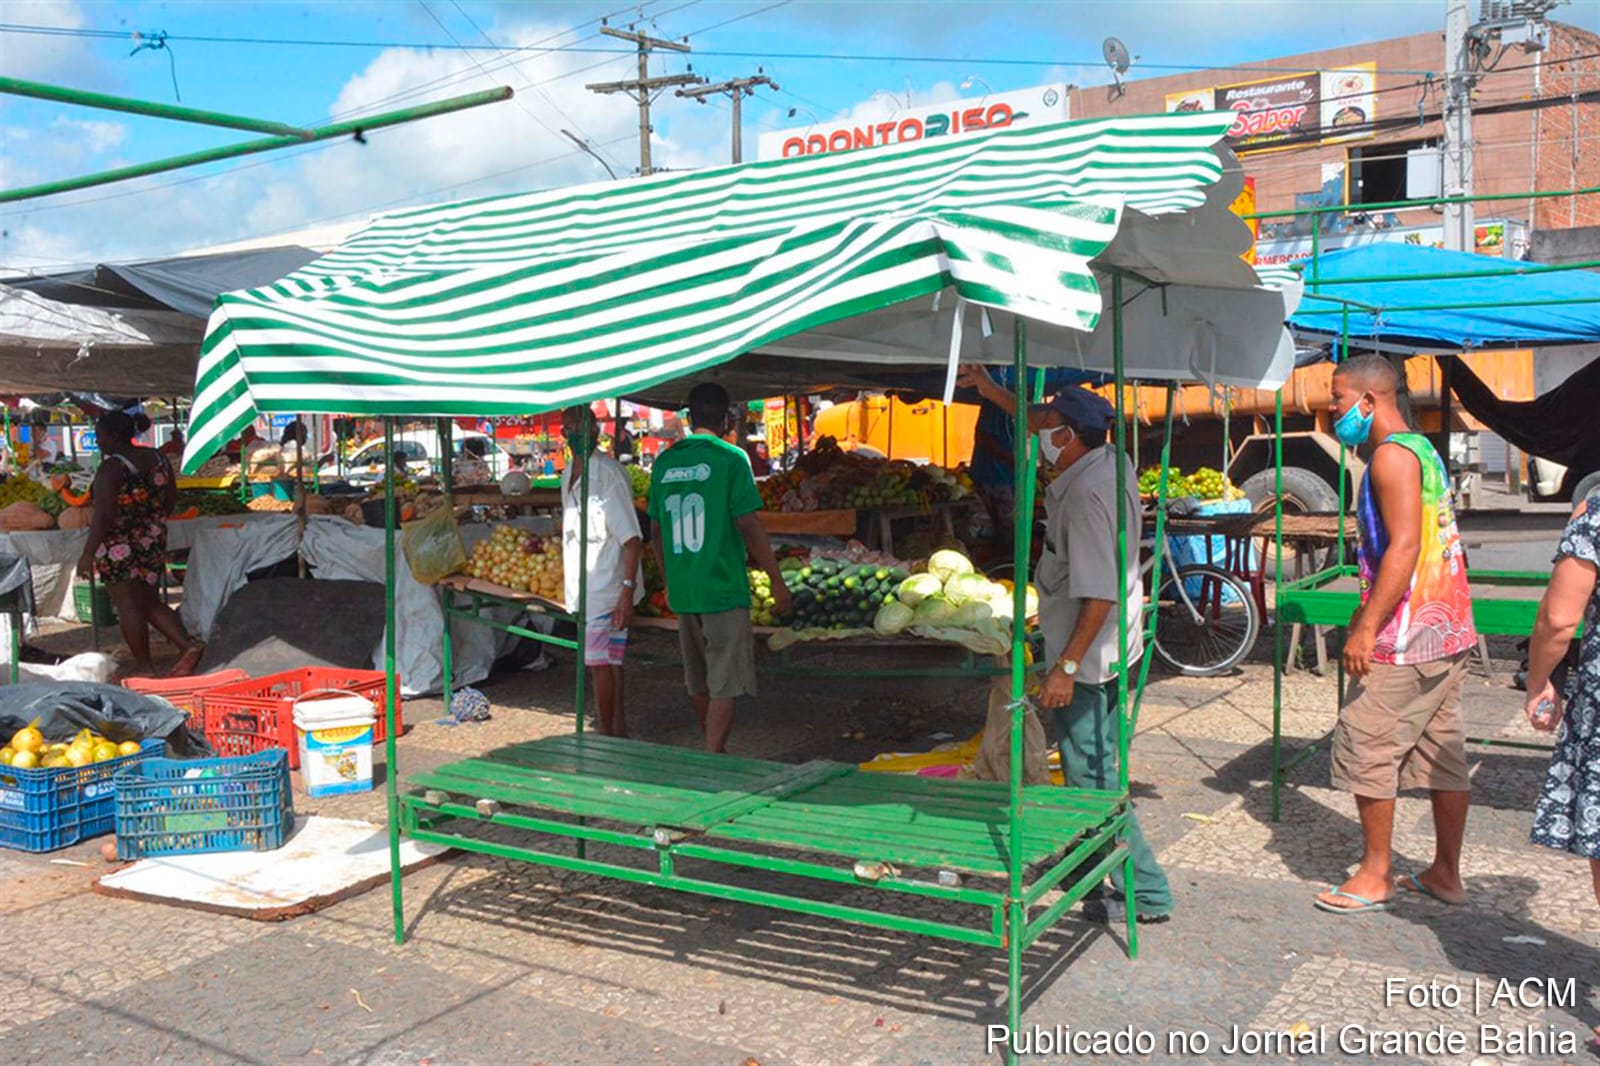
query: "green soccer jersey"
698, 487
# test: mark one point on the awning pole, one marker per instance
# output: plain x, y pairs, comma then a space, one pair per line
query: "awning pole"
1023, 480
1124, 739
1158, 560
391, 685
1277, 602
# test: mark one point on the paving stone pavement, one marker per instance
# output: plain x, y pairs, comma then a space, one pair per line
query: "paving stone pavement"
505, 962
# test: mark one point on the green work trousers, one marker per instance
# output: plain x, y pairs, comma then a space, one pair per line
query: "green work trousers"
1087, 731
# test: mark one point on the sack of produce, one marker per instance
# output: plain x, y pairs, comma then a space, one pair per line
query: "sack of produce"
433, 546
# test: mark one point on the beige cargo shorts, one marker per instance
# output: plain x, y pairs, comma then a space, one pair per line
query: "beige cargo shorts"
1400, 728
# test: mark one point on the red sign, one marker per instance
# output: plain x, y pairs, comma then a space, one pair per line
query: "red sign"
1274, 112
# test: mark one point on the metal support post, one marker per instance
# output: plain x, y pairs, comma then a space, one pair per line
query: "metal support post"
1124, 739
391, 685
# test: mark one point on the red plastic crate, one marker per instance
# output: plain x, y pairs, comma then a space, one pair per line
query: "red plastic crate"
254, 715
184, 692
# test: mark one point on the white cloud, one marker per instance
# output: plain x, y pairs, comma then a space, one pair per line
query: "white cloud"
51, 58
90, 136
508, 146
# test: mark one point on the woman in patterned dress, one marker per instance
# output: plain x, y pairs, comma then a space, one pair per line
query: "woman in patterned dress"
134, 491
1568, 815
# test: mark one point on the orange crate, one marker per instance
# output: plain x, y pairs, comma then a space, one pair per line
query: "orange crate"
184, 692
258, 714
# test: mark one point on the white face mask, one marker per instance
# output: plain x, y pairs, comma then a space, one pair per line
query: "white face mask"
1048, 448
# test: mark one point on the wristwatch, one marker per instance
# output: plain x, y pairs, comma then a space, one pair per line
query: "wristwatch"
627, 582
1068, 667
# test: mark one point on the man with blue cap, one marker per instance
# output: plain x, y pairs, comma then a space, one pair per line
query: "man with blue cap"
1078, 592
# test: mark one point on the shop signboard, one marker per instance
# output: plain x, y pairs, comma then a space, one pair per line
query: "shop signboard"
1043, 103
1278, 112
1494, 237
1349, 102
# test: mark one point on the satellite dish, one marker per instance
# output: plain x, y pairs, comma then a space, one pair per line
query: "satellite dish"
1119, 60
1117, 55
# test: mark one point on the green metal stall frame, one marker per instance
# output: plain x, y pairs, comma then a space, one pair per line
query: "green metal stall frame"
1315, 599
1000, 847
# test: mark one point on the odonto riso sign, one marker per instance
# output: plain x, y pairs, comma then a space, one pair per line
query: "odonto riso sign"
1044, 103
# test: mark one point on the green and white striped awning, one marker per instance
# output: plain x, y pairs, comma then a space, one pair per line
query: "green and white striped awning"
524, 303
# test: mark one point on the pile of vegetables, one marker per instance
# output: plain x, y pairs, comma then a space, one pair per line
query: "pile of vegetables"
1205, 483
833, 595
209, 503
19, 488
829, 478
951, 601
517, 559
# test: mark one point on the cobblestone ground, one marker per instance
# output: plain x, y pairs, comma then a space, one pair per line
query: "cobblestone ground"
511, 963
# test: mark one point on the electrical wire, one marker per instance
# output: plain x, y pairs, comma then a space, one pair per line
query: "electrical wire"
719, 53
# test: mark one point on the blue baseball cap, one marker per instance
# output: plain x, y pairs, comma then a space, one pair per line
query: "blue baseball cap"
1080, 407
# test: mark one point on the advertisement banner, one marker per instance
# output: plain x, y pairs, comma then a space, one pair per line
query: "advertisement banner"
1245, 204
1043, 103
1278, 112
1349, 102
1492, 237
1193, 100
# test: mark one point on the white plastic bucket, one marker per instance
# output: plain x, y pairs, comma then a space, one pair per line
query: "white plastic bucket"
334, 731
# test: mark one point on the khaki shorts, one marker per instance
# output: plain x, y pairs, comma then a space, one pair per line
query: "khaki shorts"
719, 654
1400, 728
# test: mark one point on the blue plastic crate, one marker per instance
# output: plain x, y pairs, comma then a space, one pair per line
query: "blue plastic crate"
194, 806
42, 810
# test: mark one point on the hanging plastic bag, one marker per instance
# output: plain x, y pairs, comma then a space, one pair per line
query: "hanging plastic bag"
433, 547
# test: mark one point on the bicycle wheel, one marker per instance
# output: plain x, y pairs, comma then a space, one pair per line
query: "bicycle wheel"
1206, 621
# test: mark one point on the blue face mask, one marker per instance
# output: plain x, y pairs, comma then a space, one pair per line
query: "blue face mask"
1353, 428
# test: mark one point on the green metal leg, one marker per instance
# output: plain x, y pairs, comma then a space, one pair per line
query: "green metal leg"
447, 600
1016, 926
1278, 769
391, 686
1131, 902
16, 646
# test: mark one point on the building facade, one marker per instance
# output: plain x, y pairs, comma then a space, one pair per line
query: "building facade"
1362, 125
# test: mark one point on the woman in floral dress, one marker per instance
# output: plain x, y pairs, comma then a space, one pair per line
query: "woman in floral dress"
1568, 815
134, 492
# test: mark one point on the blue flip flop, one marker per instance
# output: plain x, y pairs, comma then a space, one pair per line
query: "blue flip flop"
1417, 886
1366, 906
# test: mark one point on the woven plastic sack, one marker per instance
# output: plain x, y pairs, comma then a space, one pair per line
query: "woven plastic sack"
433, 547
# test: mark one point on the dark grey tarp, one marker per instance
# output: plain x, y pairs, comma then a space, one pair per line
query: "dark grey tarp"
125, 328
188, 284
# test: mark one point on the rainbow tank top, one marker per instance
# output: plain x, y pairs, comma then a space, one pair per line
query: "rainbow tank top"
1434, 618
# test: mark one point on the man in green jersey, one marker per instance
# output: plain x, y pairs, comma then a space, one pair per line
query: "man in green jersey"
703, 504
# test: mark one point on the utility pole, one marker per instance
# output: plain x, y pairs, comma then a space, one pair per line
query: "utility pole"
644, 87
1460, 77
736, 89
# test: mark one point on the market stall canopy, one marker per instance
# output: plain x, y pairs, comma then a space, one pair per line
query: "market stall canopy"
516, 304
127, 328
1514, 311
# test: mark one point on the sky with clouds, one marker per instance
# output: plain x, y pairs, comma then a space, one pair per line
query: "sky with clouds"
259, 59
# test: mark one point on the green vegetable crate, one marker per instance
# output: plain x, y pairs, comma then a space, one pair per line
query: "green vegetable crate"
100, 603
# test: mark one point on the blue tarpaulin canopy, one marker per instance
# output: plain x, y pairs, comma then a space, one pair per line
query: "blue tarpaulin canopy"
1508, 311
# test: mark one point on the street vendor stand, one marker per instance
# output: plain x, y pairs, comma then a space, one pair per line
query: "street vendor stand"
1384, 297
533, 302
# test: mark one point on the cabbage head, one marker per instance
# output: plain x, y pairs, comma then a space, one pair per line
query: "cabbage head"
933, 611
967, 588
946, 563
918, 587
892, 618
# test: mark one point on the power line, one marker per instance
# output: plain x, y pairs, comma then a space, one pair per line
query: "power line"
723, 53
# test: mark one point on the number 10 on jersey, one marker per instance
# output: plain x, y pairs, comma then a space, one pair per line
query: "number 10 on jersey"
688, 515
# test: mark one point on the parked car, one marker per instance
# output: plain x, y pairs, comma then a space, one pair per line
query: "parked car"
421, 451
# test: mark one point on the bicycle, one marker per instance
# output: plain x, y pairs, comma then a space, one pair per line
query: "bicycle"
1206, 619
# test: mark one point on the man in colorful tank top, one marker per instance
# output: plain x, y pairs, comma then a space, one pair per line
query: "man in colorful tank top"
1407, 646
